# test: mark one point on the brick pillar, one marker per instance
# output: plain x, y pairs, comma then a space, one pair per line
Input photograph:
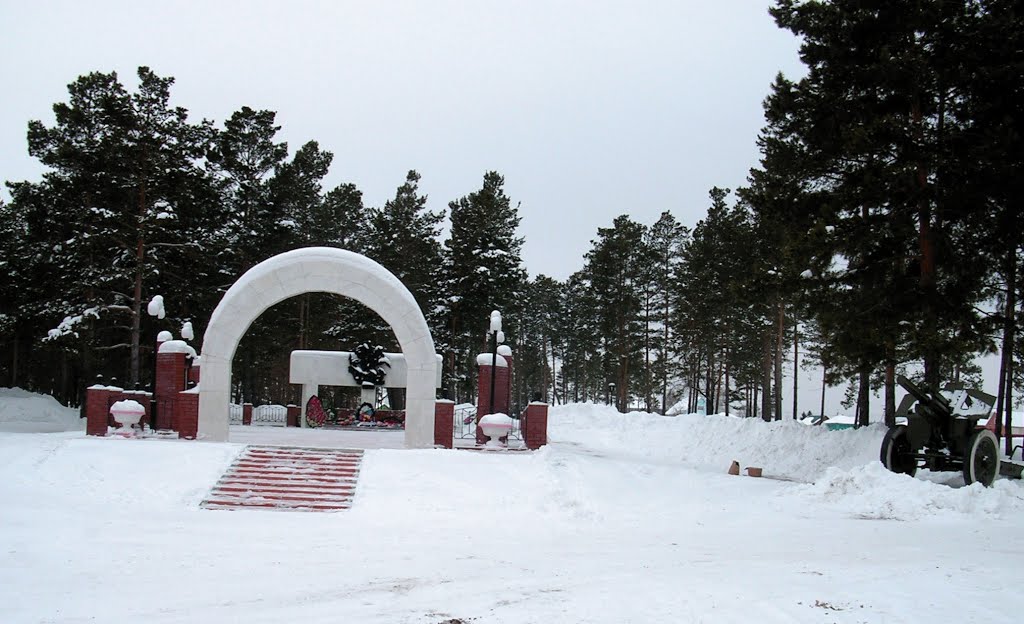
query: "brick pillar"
444, 422
484, 398
193, 371
96, 410
535, 425
186, 416
508, 383
294, 413
506, 352
170, 380
501, 389
246, 413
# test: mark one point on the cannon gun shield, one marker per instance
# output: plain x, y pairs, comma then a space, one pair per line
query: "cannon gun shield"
941, 433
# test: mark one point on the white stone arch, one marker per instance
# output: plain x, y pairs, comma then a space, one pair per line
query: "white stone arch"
318, 269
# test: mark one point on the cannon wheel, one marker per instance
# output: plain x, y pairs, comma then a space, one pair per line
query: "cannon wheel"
896, 451
981, 459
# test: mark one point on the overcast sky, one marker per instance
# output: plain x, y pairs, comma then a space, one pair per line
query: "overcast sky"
589, 109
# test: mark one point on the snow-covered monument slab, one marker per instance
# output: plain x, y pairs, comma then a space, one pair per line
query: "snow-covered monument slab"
312, 369
330, 368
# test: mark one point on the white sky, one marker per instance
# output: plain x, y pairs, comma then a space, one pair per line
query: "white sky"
590, 109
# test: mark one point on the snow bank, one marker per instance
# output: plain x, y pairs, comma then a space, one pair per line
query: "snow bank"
52, 478
838, 469
784, 449
26, 412
870, 491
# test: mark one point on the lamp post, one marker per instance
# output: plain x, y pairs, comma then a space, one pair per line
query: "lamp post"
156, 310
497, 337
611, 393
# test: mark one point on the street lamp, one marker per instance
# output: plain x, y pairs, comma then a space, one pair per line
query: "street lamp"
611, 393
497, 337
155, 309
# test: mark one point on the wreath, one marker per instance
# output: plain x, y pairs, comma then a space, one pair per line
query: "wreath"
315, 414
366, 365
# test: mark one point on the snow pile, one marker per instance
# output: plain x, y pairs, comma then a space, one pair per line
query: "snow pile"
26, 412
156, 307
784, 448
177, 346
873, 492
680, 407
50, 476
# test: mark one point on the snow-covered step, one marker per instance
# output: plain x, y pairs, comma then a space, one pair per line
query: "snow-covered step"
288, 479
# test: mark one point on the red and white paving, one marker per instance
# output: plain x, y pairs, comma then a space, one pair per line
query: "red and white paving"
286, 478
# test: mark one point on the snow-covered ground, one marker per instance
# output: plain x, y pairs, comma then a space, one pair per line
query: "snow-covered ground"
622, 518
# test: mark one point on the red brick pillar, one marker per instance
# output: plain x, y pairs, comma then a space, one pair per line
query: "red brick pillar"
535, 425
444, 422
186, 415
506, 352
501, 390
246, 413
193, 371
483, 392
96, 410
170, 380
294, 414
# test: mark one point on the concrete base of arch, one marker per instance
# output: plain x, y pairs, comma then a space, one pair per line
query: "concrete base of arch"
318, 269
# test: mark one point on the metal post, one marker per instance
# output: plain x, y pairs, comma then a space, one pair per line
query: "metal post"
494, 366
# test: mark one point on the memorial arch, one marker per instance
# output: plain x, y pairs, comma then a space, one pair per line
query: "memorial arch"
318, 269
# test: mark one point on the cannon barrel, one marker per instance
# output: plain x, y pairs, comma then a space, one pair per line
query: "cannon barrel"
932, 400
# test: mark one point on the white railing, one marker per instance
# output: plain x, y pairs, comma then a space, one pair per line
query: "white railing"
234, 414
270, 415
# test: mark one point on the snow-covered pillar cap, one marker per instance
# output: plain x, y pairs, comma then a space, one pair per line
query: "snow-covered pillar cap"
485, 359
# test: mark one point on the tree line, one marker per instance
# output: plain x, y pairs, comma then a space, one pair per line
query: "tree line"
880, 233
881, 230
138, 200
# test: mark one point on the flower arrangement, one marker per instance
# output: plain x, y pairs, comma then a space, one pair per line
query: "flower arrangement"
315, 414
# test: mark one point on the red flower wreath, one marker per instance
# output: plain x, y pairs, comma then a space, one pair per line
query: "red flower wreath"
315, 414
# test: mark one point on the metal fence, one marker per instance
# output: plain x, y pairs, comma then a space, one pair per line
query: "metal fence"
464, 425
270, 415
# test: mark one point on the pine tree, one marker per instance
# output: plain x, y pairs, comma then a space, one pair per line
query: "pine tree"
880, 139
665, 242
244, 158
406, 241
581, 375
538, 351
121, 166
485, 273
296, 192
616, 266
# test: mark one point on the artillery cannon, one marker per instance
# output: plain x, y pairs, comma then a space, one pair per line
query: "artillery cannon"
942, 434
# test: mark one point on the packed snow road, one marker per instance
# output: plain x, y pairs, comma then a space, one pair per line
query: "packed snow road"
622, 518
